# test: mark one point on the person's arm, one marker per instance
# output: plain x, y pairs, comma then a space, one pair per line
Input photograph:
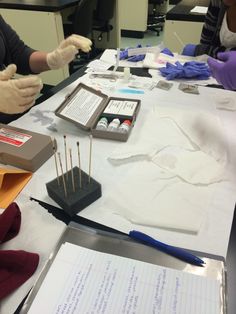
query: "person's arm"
30, 61
38, 62
16, 52
41, 61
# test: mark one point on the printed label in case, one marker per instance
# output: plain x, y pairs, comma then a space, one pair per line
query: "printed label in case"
13, 137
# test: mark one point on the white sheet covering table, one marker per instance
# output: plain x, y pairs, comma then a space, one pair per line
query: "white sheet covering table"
213, 210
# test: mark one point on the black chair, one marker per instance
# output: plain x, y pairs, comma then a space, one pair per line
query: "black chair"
156, 20
103, 13
80, 22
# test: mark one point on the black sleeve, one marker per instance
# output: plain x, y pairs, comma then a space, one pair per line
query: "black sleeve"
16, 50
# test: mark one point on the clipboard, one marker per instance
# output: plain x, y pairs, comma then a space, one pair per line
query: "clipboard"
121, 245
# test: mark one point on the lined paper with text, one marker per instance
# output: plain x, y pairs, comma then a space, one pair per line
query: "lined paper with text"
81, 280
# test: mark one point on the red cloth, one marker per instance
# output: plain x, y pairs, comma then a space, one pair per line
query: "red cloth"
15, 268
10, 221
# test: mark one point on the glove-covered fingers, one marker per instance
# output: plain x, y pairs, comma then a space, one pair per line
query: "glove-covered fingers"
78, 41
29, 91
21, 104
30, 81
223, 56
26, 103
68, 53
8, 73
60, 57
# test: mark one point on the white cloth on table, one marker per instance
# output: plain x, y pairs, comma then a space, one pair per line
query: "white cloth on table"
172, 173
187, 144
143, 198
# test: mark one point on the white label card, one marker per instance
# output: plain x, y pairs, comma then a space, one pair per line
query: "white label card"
82, 106
121, 107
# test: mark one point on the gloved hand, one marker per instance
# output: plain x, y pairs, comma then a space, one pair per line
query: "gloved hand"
67, 50
17, 95
224, 72
189, 50
167, 51
8, 73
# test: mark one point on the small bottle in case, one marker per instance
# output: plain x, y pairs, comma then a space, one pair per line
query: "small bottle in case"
113, 125
125, 126
102, 124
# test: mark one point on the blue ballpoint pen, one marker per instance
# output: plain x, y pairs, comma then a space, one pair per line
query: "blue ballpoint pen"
169, 249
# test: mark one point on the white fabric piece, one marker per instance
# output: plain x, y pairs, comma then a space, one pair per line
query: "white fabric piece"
178, 151
203, 129
226, 103
193, 167
142, 198
39, 233
151, 137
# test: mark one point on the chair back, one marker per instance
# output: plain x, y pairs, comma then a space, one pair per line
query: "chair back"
104, 10
83, 17
156, 2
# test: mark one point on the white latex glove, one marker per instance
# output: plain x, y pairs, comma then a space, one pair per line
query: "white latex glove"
67, 50
17, 95
8, 73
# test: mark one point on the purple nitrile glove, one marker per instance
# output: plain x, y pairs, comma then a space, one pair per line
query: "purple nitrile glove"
189, 50
224, 72
192, 69
124, 54
136, 58
167, 51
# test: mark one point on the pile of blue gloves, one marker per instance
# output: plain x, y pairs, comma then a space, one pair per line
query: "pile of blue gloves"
191, 69
124, 55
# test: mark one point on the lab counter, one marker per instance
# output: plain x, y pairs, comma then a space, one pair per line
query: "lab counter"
182, 27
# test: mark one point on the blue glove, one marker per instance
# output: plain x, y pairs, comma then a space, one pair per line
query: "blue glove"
167, 51
136, 58
193, 69
189, 50
124, 54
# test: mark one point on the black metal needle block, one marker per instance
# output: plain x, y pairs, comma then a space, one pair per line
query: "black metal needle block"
76, 197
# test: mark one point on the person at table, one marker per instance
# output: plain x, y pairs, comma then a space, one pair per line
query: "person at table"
218, 40
219, 30
18, 95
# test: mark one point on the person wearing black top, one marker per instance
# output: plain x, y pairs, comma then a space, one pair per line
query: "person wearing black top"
218, 32
18, 95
